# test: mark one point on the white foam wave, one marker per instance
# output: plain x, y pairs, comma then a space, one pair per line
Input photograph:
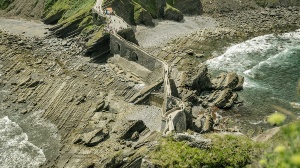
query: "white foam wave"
295, 35
16, 150
250, 57
244, 56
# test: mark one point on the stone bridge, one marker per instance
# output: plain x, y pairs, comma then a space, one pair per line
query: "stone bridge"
173, 115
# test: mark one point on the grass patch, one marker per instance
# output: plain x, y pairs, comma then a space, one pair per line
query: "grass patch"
138, 9
72, 9
150, 7
226, 151
96, 36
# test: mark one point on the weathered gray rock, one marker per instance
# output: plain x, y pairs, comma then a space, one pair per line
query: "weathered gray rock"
228, 80
204, 122
172, 13
92, 138
196, 78
193, 140
194, 7
142, 16
223, 99
131, 128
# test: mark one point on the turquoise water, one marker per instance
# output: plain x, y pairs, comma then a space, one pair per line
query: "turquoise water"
271, 67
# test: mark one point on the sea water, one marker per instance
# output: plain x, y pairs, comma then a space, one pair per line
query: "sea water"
271, 67
26, 141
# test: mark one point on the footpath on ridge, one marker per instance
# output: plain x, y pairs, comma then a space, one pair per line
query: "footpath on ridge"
169, 116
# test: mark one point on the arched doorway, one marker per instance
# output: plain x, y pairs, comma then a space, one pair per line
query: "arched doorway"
118, 48
134, 57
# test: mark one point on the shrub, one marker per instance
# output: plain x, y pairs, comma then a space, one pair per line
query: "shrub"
285, 151
226, 151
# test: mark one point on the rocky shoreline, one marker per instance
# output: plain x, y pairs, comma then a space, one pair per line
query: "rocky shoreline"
89, 120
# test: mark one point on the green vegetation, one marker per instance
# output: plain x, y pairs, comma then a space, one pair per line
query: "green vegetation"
71, 9
4, 3
150, 7
74, 15
96, 35
138, 9
171, 2
285, 151
226, 151
170, 7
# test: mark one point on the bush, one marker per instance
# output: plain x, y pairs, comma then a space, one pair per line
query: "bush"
226, 151
286, 151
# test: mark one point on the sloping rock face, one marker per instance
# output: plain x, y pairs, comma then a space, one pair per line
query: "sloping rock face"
145, 18
172, 13
24, 8
195, 78
128, 34
125, 11
229, 80
189, 7
224, 85
156, 7
132, 129
223, 98
92, 138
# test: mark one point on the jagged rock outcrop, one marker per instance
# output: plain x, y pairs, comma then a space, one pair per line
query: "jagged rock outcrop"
223, 98
195, 78
132, 129
228, 80
142, 16
92, 138
124, 9
189, 7
204, 122
172, 13
128, 34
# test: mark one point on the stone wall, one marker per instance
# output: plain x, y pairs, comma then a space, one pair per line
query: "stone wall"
132, 52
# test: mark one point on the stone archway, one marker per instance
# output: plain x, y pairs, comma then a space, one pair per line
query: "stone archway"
134, 57
117, 47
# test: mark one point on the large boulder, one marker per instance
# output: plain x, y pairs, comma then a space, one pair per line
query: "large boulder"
228, 80
172, 13
223, 98
128, 34
196, 78
132, 129
92, 138
176, 122
189, 7
142, 16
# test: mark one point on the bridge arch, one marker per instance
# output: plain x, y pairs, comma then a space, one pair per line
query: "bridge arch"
117, 47
134, 57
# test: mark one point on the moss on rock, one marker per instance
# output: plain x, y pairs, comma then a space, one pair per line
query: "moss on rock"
226, 151
142, 16
172, 13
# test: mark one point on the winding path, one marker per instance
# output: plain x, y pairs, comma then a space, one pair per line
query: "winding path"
115, 24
